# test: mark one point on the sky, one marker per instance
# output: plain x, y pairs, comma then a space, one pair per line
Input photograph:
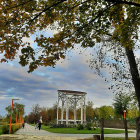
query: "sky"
40, 87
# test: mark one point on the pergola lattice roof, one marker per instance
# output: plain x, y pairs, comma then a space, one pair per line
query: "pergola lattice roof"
72, 92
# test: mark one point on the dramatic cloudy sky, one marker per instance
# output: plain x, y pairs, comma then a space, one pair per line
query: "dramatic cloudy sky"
41, 86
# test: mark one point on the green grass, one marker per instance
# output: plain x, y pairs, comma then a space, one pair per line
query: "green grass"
119, 138
84, 131
112, 139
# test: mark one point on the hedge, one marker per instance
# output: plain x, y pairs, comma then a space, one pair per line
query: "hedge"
14, 128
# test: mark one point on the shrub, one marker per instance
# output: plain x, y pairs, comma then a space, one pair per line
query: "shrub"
88, 126
58, 126
5, 129
14, 128
80, 127
62, 126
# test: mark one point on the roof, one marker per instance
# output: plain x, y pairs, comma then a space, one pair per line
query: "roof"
72, 92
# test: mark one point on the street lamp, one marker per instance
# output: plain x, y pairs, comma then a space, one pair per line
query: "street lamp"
99, 116
16, 115
20, 115
124, 113
11, 115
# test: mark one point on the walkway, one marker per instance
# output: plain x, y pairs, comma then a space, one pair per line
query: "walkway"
29, 132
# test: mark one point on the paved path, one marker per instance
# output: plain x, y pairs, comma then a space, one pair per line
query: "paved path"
29, 132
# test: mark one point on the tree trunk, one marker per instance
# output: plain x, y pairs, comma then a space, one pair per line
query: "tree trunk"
126, 130
138, 128
102, 128
134, 72
135, 79
96, 137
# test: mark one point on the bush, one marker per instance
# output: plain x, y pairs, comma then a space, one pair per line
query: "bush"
62, 126
58, 126
5, 129
80, 127
88, 126
14, 128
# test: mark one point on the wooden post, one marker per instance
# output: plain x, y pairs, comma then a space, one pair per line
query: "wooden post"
96, 137
126, 131
102, 128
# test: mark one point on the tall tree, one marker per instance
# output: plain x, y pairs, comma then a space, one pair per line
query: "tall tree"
44, 115
36, 112
84, 22
89, 111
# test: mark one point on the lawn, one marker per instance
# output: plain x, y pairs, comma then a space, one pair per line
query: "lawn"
84, 131
112, 139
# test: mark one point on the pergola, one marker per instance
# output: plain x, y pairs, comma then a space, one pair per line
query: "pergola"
67, 99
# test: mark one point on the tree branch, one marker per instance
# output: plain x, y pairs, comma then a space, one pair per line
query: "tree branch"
19, 5
47, 8
100, 13
124, 2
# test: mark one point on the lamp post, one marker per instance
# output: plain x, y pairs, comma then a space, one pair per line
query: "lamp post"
99, 115
124, 113
20, 115
19, 120
16, 115
11, 115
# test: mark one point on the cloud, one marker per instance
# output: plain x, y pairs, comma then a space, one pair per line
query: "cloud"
41, 86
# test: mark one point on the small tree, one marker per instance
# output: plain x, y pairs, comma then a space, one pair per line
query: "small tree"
15, 106
89, 111
36, 112
121, 103
106, 112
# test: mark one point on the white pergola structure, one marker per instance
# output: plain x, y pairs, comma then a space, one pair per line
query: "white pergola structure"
67, 99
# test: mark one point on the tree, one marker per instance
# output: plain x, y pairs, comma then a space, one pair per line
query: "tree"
44, 115
14, 113
30, 118
52, 113
77, 22
121, 103
106, 112
133, 111
35, 113
89, 111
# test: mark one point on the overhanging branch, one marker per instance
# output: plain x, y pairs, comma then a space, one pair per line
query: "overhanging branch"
124, 2
47, 8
